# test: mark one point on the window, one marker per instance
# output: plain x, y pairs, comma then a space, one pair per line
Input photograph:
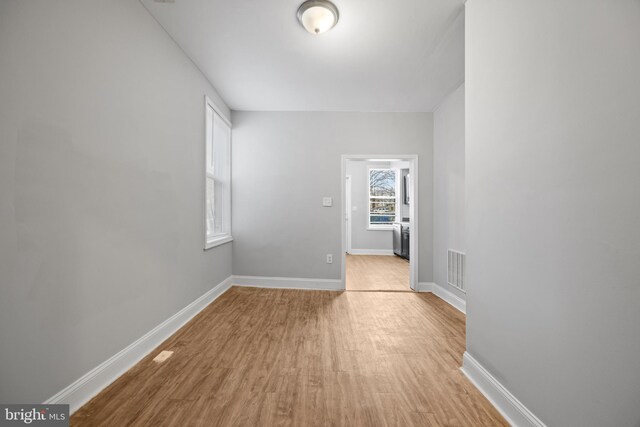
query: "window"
382, 197
217, 178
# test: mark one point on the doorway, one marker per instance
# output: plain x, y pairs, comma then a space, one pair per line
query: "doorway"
380, 226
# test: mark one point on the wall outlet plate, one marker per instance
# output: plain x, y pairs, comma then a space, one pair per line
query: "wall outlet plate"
327, 201
329, 259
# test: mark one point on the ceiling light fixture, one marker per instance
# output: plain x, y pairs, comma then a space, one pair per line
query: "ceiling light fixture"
318, 16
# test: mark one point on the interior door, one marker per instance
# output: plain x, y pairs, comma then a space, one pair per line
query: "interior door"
347, 213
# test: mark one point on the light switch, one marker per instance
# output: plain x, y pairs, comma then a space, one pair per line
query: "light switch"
327, 201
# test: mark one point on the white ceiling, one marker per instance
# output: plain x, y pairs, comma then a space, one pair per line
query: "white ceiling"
383, 55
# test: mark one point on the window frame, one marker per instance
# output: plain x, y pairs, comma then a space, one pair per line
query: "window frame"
379, 227
225, 236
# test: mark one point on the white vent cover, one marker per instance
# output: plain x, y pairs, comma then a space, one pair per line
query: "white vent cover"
456, 269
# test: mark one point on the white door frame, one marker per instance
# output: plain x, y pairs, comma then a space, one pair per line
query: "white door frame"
347, 211
413, 221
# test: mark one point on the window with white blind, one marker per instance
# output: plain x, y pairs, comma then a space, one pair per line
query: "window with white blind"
217, 178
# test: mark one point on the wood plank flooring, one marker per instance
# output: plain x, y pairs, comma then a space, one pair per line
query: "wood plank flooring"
377, 273
267, 357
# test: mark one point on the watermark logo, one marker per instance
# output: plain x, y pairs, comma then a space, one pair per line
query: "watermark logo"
34, 415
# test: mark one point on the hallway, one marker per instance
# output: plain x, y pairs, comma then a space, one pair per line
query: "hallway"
302, 358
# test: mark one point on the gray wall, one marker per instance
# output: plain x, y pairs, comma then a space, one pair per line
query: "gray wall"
448, 184
361, 237
285, 162
101, 183
553, 204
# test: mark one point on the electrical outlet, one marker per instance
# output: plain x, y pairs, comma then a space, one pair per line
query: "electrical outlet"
329, 259
327, 202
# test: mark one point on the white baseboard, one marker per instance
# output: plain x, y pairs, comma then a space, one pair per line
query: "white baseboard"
444, 294
425, 286
84, 388
371, 252
289, 283
506, 403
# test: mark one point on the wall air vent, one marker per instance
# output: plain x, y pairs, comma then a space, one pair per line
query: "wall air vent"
456, 269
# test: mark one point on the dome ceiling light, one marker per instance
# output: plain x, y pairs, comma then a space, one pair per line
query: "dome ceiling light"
318, 16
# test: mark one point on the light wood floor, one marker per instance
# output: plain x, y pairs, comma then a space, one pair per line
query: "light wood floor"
265, 357
377, 273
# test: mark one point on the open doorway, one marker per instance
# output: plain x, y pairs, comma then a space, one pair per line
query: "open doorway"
379, 233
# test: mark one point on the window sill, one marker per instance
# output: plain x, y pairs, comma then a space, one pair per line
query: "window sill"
380, 228
217, 241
